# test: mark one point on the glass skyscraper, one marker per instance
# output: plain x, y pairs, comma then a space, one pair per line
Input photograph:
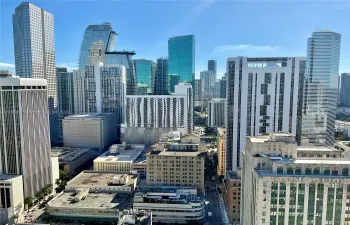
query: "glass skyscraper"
174, 79
161, 78
321, 87
101, 32
181, 52
212, 66
144, 72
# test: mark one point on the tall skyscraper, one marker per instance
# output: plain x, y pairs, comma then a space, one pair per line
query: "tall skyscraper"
24, 132
144, 72
198, 93
212, 66
344, 93
181, 52
216, 112
100, 32
321, 87
220, 88
174, 79
262, 97
161, 86
34, 45
208, 78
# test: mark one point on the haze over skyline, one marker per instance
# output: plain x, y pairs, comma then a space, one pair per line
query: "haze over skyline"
222, 28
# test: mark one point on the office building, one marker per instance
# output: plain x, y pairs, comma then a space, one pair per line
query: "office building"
321, 88
212, 66
279, 188
161, 86
24, 132
100, 32
220, 88
145, 74
96, 131
174, 79
262, 97
72, 159
34, 46
101, 89
176, 165
344, 95
209, 79
119, 158
198, 93
216, 112
181, 52
11, 198
148, 117
94, 196
5, 73
220, 137
232, 196
171, 205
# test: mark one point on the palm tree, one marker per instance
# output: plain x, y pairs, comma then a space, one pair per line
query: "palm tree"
39, 195
28, 201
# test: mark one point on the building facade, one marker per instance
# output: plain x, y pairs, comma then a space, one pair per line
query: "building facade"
344, 95
262, 97
220, 137
145, 73
216, 112
279, 188
174, 79
321, 87
25, 132
232, 197
209, 79
220, 88
181, 52
212, 66
161, 80
96, 131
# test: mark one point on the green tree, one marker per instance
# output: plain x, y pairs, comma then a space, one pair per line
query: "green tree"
28, 200
63, 175
39, 195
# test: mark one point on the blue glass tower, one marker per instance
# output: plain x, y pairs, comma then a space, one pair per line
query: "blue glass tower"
181, 52
93, 33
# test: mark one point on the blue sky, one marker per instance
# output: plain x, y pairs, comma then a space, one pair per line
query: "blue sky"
222, 28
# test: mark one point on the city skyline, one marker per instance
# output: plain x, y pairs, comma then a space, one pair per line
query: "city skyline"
152, 44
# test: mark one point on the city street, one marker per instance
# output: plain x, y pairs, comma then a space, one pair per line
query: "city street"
215, 204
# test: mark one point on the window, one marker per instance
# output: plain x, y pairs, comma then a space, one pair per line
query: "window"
298, 171
308, 171
317, 171
289, 170
279, 170
345, 172
326, 171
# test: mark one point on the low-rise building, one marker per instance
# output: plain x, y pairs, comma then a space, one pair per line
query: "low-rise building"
71, 159
279, 188
169, 205
166, 166
231, 193
135, 217
221, 170
94, 196
11, 198
120, 157
96, 130
319, 152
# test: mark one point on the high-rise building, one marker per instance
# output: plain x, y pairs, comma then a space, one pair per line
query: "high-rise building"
181, 52
220, 137
198, 93
321, 87
344, 95
93, 33
65, 98
34, 46
212, 66
280, 188
161, 86
144, 72
216, 112
147, 117
220, 88
209, 79
262, 97
174, 79
24, 132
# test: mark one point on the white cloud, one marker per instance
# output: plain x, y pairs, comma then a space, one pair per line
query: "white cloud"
7, 65
226, 48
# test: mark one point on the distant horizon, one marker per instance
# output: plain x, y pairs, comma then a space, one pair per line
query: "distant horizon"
222, 29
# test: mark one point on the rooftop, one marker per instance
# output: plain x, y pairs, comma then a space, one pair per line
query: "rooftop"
178, 153
273, 137
95, 178
67, 154
4, 177
317, 149
92, 200
136, 217
120, 156
89, 116
15, 81
233, 175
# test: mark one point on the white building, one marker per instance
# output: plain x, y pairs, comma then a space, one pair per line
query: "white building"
216, 112
180, 205
262, 97
25, 132
208, 78
89, 130
11, 198
279, 188
148, 117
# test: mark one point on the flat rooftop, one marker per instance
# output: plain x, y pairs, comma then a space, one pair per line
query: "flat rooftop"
120, 156
16, 81
66, 154
89, 116
317, 149
87, 178
273, 137
92, 200
178, 153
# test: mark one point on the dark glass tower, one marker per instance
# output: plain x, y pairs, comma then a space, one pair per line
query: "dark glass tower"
161, 78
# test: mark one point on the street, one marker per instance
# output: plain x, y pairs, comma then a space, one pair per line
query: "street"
215, 204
